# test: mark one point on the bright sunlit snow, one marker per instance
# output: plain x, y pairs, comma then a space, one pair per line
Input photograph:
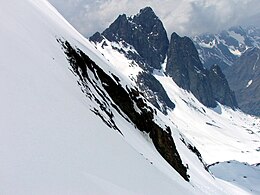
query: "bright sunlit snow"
52, 143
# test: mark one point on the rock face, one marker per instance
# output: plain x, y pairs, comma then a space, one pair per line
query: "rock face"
145, 34
144, 31
186, 69
244, 79
184, 66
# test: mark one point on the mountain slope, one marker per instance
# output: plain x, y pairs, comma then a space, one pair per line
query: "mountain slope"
219, 134
244, 78
55, 137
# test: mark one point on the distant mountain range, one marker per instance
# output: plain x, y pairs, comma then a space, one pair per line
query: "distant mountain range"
236, 51
226, 47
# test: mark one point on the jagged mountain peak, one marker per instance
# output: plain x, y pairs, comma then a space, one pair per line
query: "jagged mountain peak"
185, 68
147, 10
147, 19
145, 32
146, 13
187, 46
142, 38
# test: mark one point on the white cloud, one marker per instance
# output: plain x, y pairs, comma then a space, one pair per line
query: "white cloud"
186, 17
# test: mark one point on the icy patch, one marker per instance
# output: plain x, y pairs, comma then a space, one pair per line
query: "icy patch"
164, 65
158, 72
249, 83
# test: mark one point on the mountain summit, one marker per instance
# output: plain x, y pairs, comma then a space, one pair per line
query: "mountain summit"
145, 32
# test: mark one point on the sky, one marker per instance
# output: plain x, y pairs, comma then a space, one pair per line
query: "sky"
186, 17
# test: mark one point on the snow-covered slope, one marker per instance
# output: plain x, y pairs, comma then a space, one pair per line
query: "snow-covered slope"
51, 140
220, 134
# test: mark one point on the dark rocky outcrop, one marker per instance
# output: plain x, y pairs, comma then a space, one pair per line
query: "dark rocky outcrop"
126, 101
186, 69
244, 79
184, 66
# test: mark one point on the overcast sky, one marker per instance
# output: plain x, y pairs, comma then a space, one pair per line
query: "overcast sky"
186, 17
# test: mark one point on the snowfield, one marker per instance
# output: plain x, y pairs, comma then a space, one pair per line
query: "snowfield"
52, 143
